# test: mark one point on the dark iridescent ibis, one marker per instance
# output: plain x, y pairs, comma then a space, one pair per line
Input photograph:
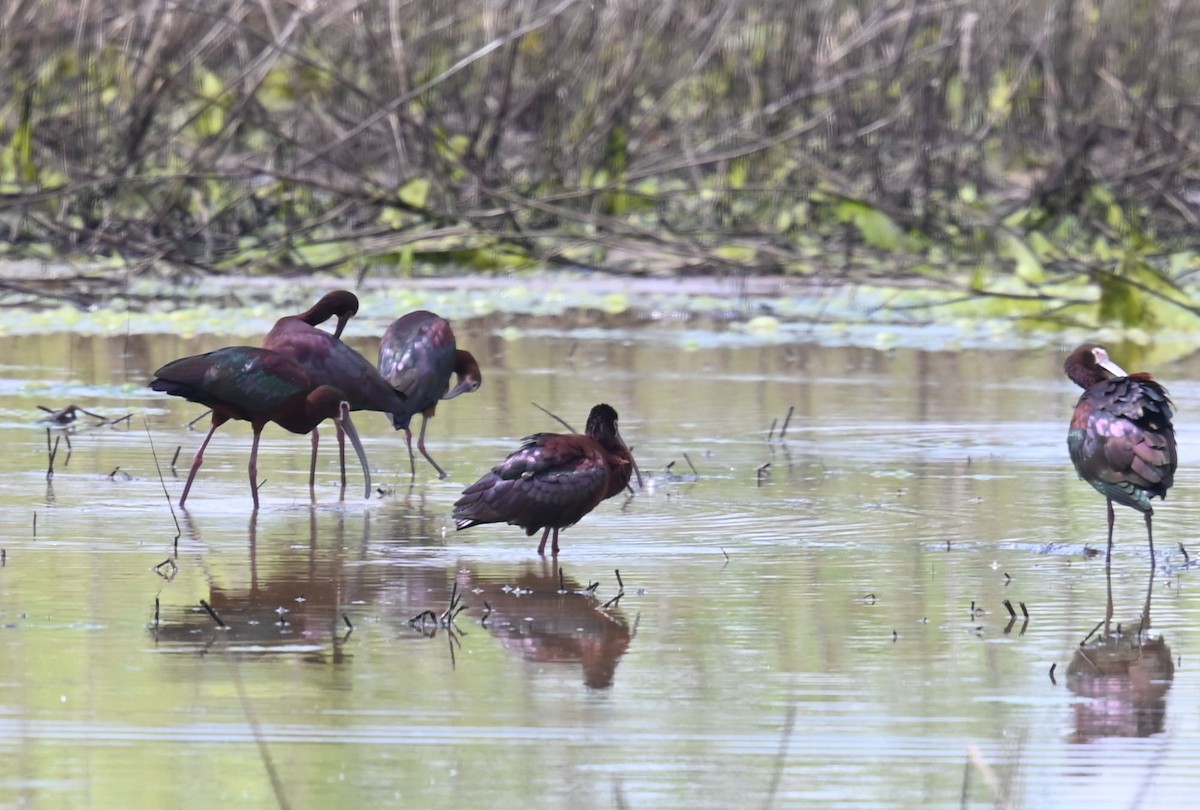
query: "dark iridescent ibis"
1121, 437
258, 386
552, 480
418, 355
329, 361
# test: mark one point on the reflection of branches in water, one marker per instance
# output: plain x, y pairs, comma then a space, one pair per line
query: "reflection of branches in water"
1001, 785
428, 623
51, 452
785, 741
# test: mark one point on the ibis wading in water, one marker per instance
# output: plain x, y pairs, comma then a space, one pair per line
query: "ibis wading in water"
258, 386
329, 361
552, 480
417, 355
1121, 437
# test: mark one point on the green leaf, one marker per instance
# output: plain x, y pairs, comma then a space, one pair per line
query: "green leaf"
876, 228
415, 192
736, 253
1028, 268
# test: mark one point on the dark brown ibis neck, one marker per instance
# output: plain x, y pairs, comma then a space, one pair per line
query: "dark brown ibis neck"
341, 304
467, 372
602, 427
1089, 365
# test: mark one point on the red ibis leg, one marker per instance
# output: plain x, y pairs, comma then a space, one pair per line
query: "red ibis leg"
412, 460
542, 545
312, 466
341, 437
1108, 611
197, 460
1150, 538
421, 447
253, 468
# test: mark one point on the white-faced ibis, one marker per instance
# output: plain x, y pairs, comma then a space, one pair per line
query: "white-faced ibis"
552, 480
1121, 437
258, 386
417, 356
330, 361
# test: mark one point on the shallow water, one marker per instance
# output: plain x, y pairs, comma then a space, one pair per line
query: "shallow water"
788, 635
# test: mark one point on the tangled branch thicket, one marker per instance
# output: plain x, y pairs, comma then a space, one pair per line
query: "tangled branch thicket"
750, 134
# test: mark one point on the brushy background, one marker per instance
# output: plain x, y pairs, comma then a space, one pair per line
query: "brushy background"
978, 143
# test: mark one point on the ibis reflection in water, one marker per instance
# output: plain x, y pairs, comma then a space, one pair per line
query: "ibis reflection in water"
546, 617
1123, 679
1121, 438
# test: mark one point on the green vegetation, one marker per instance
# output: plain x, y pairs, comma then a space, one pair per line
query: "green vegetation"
1039, 156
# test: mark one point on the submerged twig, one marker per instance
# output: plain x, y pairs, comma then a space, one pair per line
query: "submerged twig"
51, 452
162, 481
688, 459
620, 592
212, 613
447, 618
1008, 606
787, 420
1099, 624
762, 472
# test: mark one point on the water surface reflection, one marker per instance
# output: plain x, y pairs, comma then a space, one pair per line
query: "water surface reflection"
548, 617
930, 481
1123, 678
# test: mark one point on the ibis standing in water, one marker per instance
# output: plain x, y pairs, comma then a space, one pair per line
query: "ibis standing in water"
417, 355
552, 480
258, 386
330, 361
1121, 437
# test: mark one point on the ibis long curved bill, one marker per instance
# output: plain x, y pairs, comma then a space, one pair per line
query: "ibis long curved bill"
347, 427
